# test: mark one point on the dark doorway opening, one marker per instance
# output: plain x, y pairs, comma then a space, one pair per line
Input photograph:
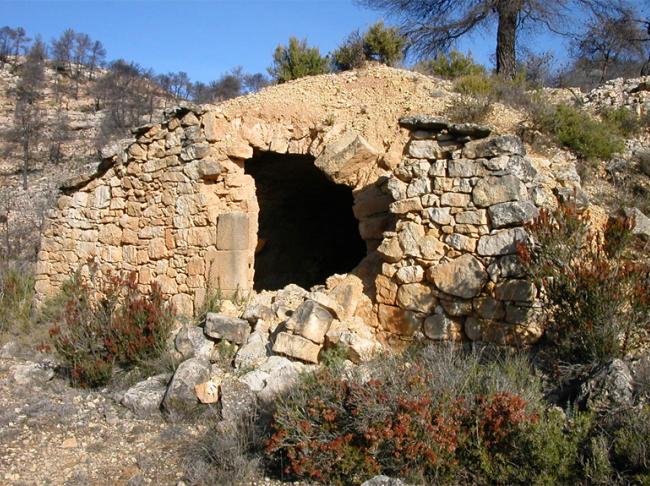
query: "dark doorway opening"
307, 231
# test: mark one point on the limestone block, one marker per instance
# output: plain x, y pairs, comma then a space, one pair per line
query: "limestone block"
157, 249
455, 199
416, 297
461, 242
311, 320
463, 277
462, 168
399, 321
239, 149
425, 149
343, 159
102, 197
406, 206
183, 304
209, 169
386, 290
501, 242
228, 270
410, 274
390, 249
233, 231
418, 187
180, 396
396, 188
431, 248
489, 308
442, 328
456, 307
296, 347
476, 217
516, 290
494, 190
231, 329
110, 234
214, 128
439, 215
512, 213
494, 146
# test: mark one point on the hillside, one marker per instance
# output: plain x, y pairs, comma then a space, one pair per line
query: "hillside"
22, 210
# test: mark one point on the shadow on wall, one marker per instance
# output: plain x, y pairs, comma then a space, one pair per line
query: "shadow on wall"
307, 230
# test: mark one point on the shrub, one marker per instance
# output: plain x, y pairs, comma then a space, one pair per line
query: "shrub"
632, 445
469, 109
477, 85
108, 321
598, 299
296, 60
16, 292
350, 54
228, 452
577, 130
625, 121
452, 65
426, 417
378, 43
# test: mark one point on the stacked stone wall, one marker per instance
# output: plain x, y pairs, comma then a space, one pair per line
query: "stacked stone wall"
175, 206
450, 269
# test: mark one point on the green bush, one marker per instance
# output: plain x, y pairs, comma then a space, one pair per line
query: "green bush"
16, 293
452, 65
577, 130
107, 321
598, 299
384, 44
296, 60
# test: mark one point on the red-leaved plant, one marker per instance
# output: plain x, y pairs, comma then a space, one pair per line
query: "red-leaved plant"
106, 321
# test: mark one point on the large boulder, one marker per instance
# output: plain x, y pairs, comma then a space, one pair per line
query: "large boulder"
144, 398
180, 399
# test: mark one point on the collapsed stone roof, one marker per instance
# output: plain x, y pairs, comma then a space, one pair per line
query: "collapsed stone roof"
439, 208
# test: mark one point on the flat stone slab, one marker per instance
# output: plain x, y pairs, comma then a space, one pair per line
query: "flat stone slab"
424, 122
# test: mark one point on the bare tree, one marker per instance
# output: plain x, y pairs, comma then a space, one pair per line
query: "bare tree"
96, 58
127, 93
59, 135
434, 25
7, 35
28, 116
62, 49
610, 40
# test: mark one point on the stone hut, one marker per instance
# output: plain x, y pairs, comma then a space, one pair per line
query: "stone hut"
353, 185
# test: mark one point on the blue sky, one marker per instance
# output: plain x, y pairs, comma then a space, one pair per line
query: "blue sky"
206, 38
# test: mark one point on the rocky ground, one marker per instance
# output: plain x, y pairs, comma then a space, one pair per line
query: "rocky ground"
52, 434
